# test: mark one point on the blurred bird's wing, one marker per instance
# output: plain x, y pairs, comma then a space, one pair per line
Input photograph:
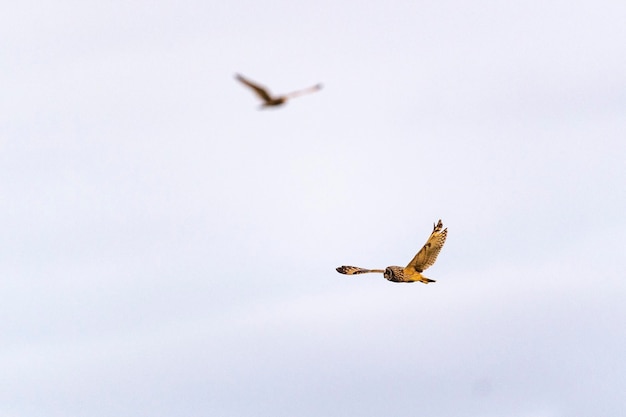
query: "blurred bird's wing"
258, 89
429, 252
309, 90
354, 270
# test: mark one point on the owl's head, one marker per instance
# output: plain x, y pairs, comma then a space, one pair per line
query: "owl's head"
389, 274
394, 273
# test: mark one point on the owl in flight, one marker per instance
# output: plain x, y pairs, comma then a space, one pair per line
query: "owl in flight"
268, 99
413, 271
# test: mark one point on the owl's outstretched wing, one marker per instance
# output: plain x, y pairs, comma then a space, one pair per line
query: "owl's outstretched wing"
429, 252
258, 89
309, 90
354, 270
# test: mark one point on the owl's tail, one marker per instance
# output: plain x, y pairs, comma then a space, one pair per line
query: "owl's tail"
421, 278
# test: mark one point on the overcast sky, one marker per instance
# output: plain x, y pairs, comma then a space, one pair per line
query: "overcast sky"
167, 249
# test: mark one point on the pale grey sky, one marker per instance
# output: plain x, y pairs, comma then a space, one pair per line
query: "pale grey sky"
169, 250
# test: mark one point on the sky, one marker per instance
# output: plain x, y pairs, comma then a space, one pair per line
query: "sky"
168, 249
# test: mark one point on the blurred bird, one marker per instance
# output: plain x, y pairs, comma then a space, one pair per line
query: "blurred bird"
268, 99
413, 271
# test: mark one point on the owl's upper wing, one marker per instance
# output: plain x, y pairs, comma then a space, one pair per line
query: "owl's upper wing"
429, 252
259, 90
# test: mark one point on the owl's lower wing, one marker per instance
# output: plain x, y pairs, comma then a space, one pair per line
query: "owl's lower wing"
355, 270
429, 252
309, 90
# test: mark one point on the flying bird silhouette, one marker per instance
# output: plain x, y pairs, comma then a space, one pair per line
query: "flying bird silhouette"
413, 271
268, 99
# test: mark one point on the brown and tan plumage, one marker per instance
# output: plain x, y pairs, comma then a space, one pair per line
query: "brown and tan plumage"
268, 99
425, 258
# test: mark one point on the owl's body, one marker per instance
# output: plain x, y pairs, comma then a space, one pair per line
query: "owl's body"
400, 274
420, 262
